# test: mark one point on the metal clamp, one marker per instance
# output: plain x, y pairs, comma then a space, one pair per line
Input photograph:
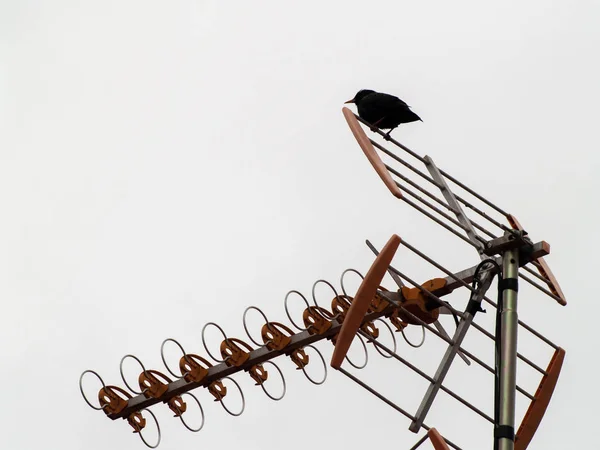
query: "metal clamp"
317, 319
134, 420
219, 391
111, 402
233, 354
340, 306
97, 408
273, 338
303, 365
261, 375
151, 385
194, 430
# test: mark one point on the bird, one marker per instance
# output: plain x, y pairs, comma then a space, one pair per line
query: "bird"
381, 110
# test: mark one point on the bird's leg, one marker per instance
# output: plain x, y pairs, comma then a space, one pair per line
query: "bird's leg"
386, 136
374, 126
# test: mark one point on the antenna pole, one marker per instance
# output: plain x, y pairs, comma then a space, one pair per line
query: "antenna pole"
504, 433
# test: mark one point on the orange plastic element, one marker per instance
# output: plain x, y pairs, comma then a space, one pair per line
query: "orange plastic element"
233, 354
137, 421
397, 321
370, 329
258, 374
151, 386
369, 151
340, 306
315, 321
437, 440
378, 304
362, 301
300, 358
416, 302
112, 403
177, 405
542, 267
217, 389
273, 338
191, 368
539, 404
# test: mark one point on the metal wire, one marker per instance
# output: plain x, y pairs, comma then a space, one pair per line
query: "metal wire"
287, 312
334, 316
432, 181
193, 430
419, 442
469, 287
440, 212
242, 395
432, 380
439, 222
246, 326
342, 279
475, 325
204, 340
393, 339
447, 175
366, 356
162, 355
433, 197
123, 375
324, 367
157, 427
389, 402
541, 288
262, 385
97, 408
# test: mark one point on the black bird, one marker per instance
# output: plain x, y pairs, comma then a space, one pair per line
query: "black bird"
382, 110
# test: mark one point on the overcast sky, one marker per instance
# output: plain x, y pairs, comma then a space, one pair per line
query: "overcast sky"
167, 164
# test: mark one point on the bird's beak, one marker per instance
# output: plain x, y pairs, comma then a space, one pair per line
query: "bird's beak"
349, 101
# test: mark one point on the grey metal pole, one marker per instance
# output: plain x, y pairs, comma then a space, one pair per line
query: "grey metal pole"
505, 429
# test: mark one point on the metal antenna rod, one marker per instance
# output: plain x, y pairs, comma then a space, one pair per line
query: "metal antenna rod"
419, 442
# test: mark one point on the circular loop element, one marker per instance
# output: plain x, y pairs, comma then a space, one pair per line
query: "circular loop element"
410, 343
262, 385
342, 279
193, 430
162, 355
241, 393
287, 310
204, 341
366, 355
319, 309
123, 375
385, 355
97, 408
324, 367
157, 427
246, 327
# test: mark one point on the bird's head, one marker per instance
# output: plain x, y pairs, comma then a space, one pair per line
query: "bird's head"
360, 95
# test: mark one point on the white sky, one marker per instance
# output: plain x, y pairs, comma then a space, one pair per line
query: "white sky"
166, 164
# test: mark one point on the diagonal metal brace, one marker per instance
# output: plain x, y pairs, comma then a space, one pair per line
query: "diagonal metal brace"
451, 351
453, 203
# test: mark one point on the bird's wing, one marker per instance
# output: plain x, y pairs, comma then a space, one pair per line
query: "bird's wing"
386, 100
